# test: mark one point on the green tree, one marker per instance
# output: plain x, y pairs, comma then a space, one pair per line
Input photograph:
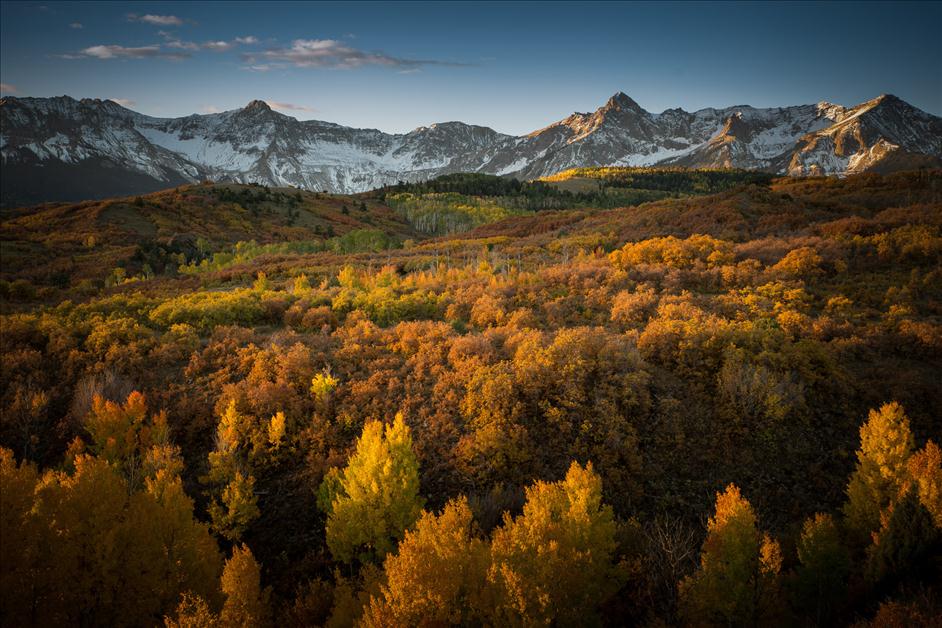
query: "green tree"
378, 494
907, 540
886, 445
736, 584
237, 507
821, 577
553, 563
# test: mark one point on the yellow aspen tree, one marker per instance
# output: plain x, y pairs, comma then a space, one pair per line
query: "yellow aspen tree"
553, 563
437, 574
246, 603
193, 612
19, 540
276, 429
82, 566
925, 469
886, 443
378, 494
736, 583
236, 508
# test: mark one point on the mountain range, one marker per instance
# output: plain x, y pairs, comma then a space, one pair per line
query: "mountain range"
64, 149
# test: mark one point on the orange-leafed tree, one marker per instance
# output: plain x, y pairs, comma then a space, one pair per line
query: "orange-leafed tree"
437, 575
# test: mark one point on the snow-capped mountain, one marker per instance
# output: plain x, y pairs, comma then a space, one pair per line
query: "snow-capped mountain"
61, 148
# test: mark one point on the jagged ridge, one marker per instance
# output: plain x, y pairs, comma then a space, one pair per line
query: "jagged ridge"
47, 142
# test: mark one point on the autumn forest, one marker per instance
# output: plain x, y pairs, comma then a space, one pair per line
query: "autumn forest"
614, 396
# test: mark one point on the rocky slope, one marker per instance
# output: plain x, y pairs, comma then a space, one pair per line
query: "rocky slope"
61, 148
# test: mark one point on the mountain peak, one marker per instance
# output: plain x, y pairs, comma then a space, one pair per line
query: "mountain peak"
259, 144
257, 105
621, 101
884, 99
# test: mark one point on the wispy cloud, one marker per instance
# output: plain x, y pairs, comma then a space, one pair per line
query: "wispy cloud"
124, 102
330, 53
157, 20
210, 109
217, 46
112, 51
171, 40
287, 106
76, 25
7, 88
223, 45
182, 45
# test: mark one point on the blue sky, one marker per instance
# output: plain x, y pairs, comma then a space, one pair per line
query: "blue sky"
513, 67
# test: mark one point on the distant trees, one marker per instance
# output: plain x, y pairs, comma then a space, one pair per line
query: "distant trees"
448, 213
672, 179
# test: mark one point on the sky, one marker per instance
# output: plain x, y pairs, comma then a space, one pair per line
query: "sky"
514, 67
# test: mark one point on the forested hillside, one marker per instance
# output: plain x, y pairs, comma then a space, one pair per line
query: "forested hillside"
477, 401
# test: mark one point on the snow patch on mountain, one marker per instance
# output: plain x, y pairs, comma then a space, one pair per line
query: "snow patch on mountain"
257, 144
